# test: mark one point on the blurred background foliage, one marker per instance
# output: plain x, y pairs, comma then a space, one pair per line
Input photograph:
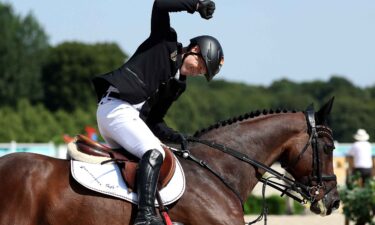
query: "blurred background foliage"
275, 204
358, 200
46, 91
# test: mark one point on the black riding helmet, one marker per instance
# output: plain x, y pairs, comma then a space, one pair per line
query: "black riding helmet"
211, 52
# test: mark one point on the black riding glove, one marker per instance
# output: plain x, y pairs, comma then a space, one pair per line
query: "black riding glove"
184, 142
180, 139
167, 134
206, 8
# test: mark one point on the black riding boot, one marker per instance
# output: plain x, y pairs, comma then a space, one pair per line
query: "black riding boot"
147, 177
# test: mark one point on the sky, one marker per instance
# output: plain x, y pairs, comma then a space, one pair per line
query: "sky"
263, 41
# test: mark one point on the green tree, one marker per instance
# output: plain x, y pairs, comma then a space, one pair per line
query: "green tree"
290, 95
34, 123
10, 123
202, 105
68, 72
23, 47
27, 123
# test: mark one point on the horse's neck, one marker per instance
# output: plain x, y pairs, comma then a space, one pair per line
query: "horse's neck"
261, 139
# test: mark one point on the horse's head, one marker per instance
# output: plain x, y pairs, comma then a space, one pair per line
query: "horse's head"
309, 158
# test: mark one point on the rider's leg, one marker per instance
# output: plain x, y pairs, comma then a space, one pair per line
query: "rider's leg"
120, 125
147, 177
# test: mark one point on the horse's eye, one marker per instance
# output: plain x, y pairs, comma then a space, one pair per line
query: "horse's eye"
328, 148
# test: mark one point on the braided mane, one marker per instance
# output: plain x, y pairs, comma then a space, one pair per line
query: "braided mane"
236, 119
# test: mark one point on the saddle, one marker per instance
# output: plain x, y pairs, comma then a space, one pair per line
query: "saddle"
127, 162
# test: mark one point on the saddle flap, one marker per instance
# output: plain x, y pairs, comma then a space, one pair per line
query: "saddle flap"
129, 170
168, 168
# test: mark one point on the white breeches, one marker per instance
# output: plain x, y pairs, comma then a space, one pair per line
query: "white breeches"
120, 126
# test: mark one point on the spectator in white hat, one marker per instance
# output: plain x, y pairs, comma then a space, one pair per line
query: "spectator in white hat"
362, 154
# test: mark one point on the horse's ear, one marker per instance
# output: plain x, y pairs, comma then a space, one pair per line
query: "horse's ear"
322, 115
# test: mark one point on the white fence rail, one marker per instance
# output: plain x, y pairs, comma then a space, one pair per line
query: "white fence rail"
50, 149
59, 151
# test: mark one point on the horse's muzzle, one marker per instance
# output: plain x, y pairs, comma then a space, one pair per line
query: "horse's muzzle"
325, 206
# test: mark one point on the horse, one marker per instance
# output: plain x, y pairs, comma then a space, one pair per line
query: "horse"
232, 156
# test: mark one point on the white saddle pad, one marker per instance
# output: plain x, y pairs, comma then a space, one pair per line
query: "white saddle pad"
107, 179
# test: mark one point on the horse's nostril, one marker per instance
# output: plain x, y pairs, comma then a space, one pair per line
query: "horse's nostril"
336, 204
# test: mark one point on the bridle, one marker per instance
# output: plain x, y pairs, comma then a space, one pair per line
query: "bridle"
316, 177
289, 186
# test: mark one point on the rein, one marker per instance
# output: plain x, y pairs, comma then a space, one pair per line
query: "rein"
290, 183
308, 193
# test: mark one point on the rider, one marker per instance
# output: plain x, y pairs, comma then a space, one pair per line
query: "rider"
134, 98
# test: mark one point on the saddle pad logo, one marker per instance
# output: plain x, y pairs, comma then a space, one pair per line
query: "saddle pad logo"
107, 179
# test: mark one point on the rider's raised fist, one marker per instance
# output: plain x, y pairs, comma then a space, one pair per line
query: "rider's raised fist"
206, 8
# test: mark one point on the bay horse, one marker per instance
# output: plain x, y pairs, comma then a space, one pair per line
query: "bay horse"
39, 190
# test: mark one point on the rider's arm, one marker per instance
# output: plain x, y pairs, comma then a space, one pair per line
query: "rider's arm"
165, 133
167, 95
160, 21
176, 5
